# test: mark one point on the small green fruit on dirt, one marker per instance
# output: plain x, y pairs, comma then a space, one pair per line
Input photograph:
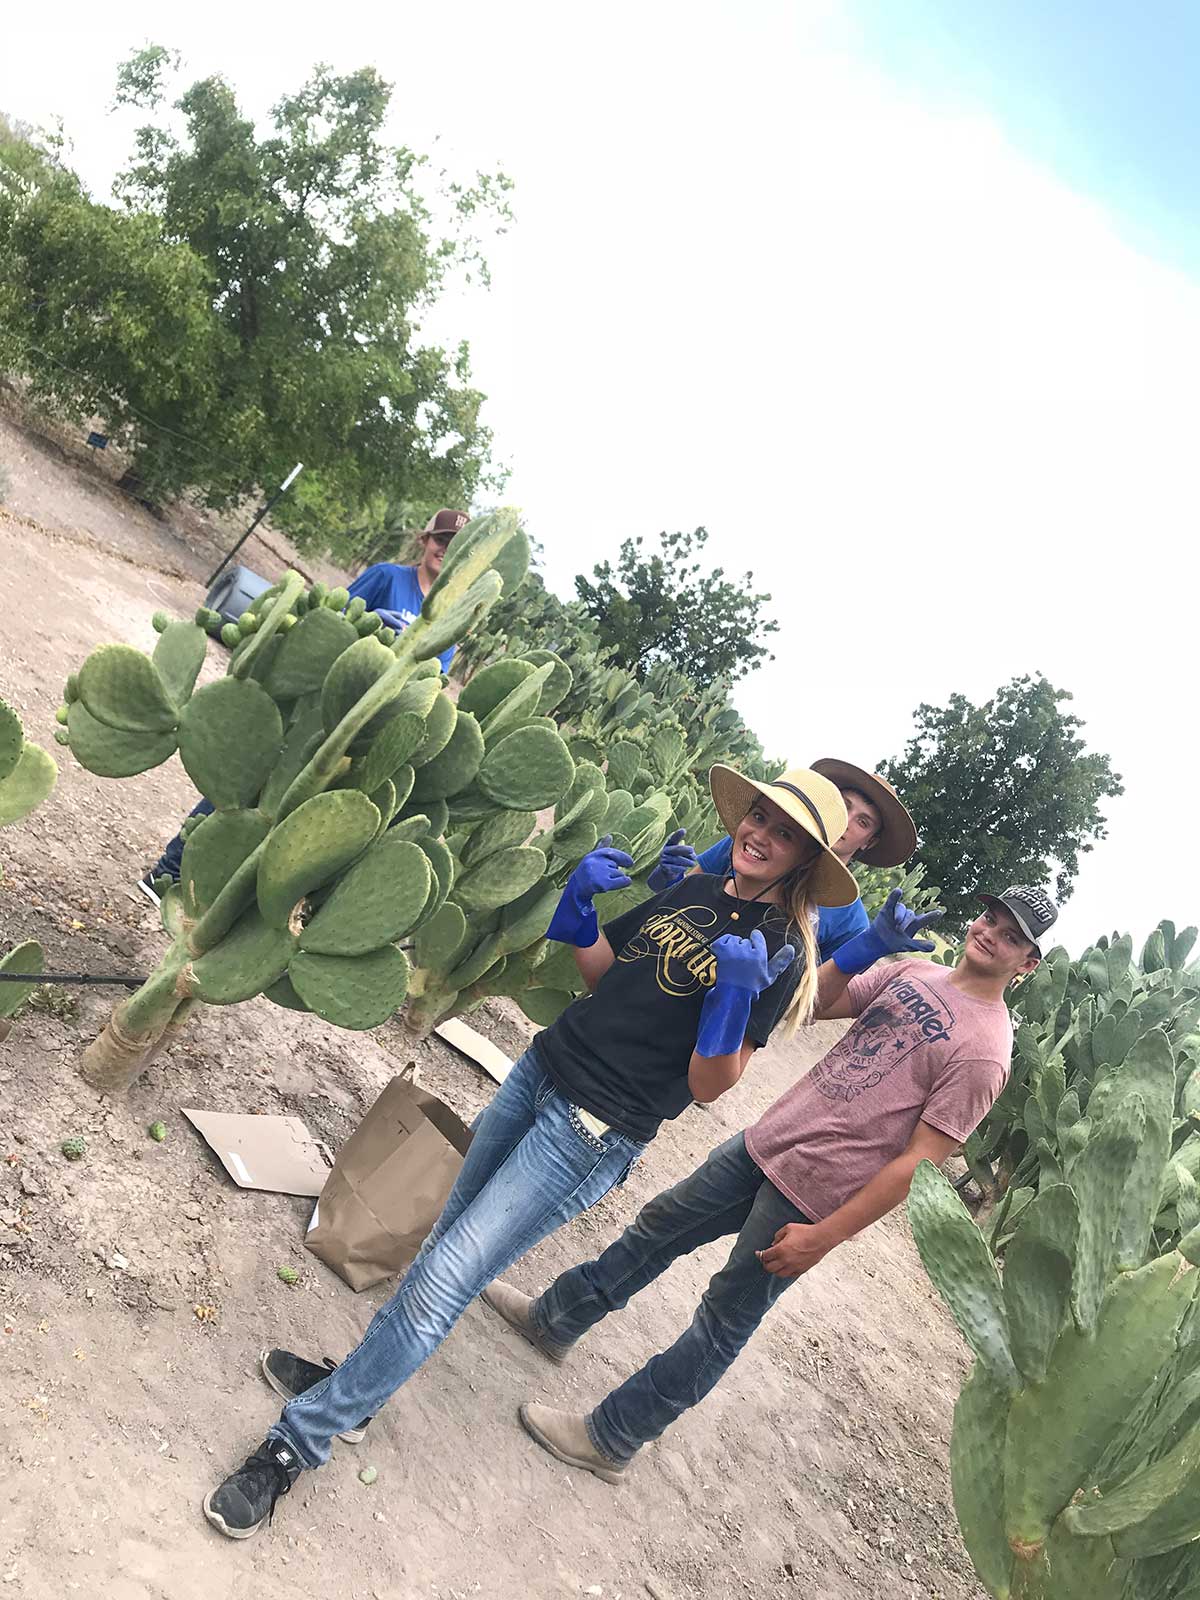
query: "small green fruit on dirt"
74, 1147
157, 1131
288, 1275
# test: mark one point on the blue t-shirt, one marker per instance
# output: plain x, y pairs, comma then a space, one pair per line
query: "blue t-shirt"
835, 924
387, 587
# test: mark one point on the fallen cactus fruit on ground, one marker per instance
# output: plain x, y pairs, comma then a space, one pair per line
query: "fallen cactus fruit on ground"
296, 887
1075, 1454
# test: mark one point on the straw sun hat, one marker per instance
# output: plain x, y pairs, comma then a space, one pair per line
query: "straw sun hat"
897, 832
812, 802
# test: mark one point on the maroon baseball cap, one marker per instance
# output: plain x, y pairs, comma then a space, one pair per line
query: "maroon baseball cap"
446, 522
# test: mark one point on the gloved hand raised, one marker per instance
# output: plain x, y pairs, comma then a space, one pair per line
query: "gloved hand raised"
894, 929
601, 870
744, 971
674, 863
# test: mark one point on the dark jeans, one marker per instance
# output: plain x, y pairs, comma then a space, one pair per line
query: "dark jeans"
169, 863
728, 1194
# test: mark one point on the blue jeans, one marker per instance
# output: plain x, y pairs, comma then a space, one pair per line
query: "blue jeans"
728, 1194
531, 1166
169, 863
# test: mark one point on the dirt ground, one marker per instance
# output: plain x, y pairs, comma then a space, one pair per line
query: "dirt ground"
817, 1469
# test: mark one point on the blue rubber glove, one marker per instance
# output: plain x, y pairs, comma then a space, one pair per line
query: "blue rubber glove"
743, 972
894, 929
675, 862
574, 921
391, 619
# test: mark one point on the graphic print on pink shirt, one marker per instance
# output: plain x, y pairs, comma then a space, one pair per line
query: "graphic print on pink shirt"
907, 1017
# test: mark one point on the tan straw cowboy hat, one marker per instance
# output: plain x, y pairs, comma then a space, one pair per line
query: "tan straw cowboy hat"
812, 802
897, 834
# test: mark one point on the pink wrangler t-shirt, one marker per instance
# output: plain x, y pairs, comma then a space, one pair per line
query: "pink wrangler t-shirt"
919, 1051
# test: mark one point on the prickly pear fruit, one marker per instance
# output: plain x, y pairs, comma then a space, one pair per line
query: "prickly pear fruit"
159, 621
231, 634
73, 1147
157, 1131
288, 1275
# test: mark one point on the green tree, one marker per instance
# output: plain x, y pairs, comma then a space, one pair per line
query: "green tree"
666, 607
1003, 792
301, 261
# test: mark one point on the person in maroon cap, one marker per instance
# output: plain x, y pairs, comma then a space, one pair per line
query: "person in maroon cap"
397, 592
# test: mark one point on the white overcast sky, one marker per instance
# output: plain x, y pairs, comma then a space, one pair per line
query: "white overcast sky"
931, 395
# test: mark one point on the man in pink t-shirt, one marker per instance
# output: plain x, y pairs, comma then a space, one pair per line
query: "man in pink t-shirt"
927, 1055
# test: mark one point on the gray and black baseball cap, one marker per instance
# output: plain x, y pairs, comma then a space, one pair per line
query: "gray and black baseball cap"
1033, 909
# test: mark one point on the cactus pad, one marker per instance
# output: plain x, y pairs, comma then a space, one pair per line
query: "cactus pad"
516, 708
178, 657
114, 752
310, 846
230, 736
544, 1006
27, 785
283, 994
500, 878
497, 832
27, 957
439, 726
214, 851
120, 686
391, 747
557, 685
491, 684
376, 901
250, 958
354, 672
352, 991
527, 770
307, 653
12, 738
440, 940
455, 765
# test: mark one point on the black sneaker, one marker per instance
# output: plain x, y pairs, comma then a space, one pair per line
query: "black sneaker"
240, 1505
146, 885
290, 1375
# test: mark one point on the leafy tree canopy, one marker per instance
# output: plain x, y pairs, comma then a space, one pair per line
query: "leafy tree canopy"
253, 299
665, 607
1005, 792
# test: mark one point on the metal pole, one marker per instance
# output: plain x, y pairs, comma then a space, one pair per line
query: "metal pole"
282, 489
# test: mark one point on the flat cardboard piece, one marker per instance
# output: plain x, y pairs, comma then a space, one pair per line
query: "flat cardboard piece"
389, 1183
274, 1153
481, 1051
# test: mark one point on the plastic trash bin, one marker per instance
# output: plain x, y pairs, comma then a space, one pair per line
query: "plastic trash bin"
233, 592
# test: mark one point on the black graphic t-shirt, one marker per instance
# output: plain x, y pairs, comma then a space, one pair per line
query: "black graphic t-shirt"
623, 1052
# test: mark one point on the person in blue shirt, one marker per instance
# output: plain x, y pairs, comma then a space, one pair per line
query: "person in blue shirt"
879, 833
397, 594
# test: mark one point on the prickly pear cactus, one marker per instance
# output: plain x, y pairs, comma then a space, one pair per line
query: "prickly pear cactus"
1075, 1454
23, 958
27, 773
296, 887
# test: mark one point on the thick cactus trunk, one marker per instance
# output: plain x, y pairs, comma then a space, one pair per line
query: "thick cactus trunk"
136, 1031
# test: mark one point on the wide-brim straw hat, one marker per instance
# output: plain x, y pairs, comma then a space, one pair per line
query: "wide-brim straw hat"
812, 802
897, 834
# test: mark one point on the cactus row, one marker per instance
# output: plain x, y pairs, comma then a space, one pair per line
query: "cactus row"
1075, 1454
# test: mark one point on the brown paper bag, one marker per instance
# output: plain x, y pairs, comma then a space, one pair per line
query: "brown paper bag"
388, 1185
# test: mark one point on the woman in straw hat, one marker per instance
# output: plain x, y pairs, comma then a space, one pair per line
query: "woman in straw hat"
683, 988
879, 832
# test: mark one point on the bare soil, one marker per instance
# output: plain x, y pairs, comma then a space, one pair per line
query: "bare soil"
138, 1284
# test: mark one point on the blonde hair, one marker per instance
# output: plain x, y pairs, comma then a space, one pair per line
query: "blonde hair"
801, 911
